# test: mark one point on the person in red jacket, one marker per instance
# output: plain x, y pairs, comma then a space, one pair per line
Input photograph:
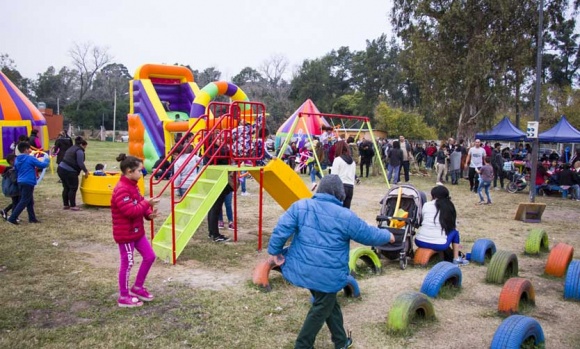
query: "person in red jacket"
128, 208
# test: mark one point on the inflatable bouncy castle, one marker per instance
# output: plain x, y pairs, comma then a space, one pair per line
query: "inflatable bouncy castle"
165, 101
18, 116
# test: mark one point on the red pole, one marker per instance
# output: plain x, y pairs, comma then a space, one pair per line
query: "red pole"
260, 205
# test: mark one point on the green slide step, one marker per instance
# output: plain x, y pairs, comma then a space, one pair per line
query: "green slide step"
190, 212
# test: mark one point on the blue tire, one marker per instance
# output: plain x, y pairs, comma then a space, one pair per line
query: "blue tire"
482, 249
351, 289
572, 283
515, 330
442, 273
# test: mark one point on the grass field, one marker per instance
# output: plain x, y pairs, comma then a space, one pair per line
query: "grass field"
58, 281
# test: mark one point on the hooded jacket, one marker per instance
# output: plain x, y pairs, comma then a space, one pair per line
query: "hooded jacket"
345, 168
26, 165
128, 208
317, 258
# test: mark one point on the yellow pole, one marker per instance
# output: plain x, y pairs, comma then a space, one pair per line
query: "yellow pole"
378, 154
399, 195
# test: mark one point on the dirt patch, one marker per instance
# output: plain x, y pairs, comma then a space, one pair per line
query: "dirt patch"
188, 272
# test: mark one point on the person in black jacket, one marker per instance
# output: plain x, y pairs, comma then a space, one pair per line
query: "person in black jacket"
68, 171
570, 180
366, 156
62, 144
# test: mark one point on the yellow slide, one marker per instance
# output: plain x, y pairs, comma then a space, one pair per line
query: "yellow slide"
282, 183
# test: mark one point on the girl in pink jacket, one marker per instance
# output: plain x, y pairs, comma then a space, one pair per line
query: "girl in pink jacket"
128, 208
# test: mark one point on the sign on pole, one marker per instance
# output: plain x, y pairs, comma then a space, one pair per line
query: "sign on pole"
532, 130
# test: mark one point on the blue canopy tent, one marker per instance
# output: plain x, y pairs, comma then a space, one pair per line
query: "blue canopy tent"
562, 132
503, 131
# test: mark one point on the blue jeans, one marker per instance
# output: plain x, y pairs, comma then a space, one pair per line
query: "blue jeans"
484, 185
452, 237
314, 173
229, 212
243, 182
395, 170
26, 201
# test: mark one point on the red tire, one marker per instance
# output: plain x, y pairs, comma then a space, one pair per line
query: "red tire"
423, 256
261, 275
558, 260
515, 291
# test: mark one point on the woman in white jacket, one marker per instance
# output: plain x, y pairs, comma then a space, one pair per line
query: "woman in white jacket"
344, 167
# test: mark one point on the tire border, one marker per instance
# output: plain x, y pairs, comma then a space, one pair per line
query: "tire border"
515, 330
405, 309
537, 242
367, 255
511, 295
497, 268
558, 260
480, 250
438, 276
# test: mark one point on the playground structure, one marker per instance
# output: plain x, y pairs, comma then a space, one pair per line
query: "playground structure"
227, 131
18, 116
298, 128
165, 101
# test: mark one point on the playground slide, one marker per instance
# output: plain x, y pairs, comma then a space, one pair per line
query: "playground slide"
283, 184
191, 212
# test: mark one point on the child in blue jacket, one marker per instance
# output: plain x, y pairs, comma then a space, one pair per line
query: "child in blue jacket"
10, 186
317, 258
26, 166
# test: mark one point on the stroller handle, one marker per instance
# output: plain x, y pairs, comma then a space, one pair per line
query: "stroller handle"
384, 218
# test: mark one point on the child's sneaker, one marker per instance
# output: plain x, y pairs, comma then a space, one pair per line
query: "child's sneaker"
129, 302
460, 261
231, 226
221, 224
142, 294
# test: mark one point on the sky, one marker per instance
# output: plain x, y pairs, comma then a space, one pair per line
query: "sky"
228, 35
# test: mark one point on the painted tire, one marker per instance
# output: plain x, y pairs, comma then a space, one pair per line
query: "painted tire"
442, 273
572, 283
503, 265
537, 242
482, 249
261, 277
515, 330
558, 259
406, 307
423, 256
351, 289
368, 256
514, 291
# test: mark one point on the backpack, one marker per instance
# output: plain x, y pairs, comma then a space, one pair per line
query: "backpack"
9, 182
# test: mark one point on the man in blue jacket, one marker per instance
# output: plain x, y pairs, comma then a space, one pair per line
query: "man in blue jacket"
25, 166
317, 258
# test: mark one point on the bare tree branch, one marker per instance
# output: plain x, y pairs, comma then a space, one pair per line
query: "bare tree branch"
88, 60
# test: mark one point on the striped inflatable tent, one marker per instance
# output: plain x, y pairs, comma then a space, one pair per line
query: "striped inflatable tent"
18, 116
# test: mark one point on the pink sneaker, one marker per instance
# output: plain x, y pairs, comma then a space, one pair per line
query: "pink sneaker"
231, 226
220, 224
142, 294
129, 302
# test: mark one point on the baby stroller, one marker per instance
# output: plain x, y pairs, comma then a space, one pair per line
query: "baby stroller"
517, 182
402, 227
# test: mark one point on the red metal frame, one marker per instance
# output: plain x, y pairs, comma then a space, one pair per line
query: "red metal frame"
231, 115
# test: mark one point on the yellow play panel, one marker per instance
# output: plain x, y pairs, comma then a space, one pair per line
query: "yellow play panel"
98, 190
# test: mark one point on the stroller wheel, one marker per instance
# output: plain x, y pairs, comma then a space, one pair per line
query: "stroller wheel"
403, 263
512, 187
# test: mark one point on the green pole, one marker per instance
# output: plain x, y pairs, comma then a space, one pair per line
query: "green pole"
378, 154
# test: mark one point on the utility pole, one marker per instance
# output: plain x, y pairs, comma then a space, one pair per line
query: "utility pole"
536, 142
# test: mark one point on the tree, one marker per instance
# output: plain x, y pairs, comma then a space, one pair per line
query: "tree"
8, 67
88, 60
398, 122
467, 56
56, 89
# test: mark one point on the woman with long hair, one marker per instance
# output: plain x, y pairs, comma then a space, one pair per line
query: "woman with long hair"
344, 166
438, 229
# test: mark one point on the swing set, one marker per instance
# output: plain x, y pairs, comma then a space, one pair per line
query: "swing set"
337, 129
